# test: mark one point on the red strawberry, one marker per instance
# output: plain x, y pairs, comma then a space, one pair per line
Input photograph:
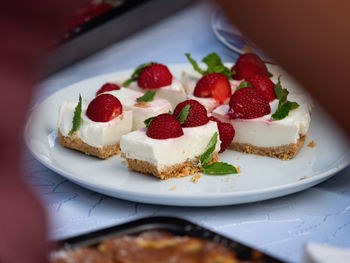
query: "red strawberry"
164, 126
248, 103
249, 64
154, 76
197, 115
107, 87
264, 85
213, 85
104, 108
226, 132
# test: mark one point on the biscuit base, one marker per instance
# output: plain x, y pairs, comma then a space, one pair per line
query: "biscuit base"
284, 152
75, 143
178, 170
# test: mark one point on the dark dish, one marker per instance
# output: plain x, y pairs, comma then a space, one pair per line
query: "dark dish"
156, 240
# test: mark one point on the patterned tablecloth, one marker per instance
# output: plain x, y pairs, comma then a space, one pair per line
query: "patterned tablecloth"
280, 226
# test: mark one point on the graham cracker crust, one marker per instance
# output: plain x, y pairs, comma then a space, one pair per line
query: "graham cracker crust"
75, 143
178, 170
284, 152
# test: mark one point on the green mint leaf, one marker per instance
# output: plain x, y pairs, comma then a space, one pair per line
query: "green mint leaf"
207, 156
136, 73
284, 106
284, 109
76, 122
148, 121
280, 92
212, 60
147, 97
170, 112
194, 64
215, 65
219, 168
183, 114
244, 84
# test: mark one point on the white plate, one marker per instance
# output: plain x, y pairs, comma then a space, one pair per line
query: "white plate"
261, 178
232, 38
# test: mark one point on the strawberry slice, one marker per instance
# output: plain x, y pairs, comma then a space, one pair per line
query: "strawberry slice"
248, 103
107, 87
104, 108
249, 64
226, 132
154, 76
213, 85
164, 126
197, 115
264, 85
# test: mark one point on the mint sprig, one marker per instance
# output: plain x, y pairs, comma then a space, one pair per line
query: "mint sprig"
181, 117
280, 92
214, 65
194, 64
284, 105
216, 168
137, 73
183, 114
284, 109
219, 168
244, 84
207, 156
147, 97
76, 122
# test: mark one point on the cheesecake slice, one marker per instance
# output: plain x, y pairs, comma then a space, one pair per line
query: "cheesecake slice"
168, 158
97, 137
267, 136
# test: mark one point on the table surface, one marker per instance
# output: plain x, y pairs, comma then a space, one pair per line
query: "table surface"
280, 226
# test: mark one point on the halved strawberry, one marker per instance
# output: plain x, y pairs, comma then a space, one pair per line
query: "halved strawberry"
264, 85
226, 132
197, 115
154, 76
107, 87
249, 64
248, 103
213, 85
164, 126
104, 108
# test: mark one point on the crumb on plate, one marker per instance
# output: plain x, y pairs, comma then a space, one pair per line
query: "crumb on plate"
312, 144
195, 177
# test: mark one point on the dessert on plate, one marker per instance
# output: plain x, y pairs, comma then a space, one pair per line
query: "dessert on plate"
171, 145
271, 115
94, 129
157, 77
143, 106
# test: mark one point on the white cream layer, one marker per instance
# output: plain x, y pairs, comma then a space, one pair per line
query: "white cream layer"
161, 153
174, 93
143, 111
264, 132
96, 134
